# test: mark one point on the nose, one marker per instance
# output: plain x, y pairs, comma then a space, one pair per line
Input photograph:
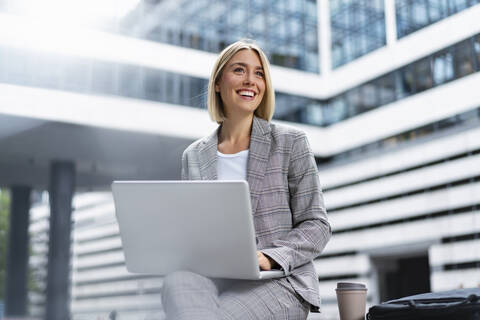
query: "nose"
248, 79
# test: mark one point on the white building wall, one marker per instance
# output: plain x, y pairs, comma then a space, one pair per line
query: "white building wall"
386, 227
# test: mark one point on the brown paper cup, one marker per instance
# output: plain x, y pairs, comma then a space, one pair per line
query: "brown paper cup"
351, 298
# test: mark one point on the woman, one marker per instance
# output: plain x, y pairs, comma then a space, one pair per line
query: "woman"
289, 216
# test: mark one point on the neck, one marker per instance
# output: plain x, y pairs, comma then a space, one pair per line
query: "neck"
235, 130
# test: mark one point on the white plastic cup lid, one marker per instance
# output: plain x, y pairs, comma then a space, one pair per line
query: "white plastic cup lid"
350, 286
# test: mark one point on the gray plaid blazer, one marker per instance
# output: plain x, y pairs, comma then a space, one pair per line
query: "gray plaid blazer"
287, 203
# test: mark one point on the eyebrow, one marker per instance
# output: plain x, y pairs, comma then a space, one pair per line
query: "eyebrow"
245, 65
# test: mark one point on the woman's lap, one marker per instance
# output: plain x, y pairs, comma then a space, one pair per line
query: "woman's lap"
268, 299
190, 296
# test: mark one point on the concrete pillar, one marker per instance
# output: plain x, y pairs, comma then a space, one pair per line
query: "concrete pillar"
390, 22
324, 37
62, 185
18, 252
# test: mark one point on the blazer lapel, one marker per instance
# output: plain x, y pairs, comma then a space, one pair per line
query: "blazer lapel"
208, 157
258, 156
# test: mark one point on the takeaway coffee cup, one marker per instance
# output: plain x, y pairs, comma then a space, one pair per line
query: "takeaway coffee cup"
351, 298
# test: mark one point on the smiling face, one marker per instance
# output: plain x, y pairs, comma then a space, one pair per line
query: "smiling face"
242, 83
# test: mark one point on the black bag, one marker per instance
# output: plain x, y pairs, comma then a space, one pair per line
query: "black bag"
462, 304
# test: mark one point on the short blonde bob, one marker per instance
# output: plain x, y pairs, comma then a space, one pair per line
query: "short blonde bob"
215, 105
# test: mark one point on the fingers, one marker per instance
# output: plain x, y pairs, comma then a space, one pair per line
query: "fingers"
263, 262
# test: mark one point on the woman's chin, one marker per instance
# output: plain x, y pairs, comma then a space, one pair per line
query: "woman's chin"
244, 110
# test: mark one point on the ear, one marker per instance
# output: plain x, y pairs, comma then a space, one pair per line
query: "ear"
217, 87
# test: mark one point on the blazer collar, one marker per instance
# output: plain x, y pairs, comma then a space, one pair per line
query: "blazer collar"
208, 156
258, 156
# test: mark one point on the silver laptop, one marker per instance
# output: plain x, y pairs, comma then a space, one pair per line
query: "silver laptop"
201, 226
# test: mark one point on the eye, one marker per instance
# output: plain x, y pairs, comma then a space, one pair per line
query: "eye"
260, 74
238, 69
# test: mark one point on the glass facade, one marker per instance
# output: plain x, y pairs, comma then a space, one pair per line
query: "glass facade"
357, 27
436, 69
285, 29
95, 77
104, 78
413, 15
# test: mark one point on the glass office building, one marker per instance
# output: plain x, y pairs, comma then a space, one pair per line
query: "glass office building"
386, 91
415, 15
287, 30
357, 28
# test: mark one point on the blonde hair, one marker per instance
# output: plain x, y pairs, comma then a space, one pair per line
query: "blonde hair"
266, 107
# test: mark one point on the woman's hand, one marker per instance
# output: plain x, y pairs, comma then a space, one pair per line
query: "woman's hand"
266, 263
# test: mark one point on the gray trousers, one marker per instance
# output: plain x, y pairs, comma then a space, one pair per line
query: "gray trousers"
187, 295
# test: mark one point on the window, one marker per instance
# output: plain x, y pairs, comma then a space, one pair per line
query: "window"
336, 110
353, 100
198, 93
369, 98
436, 9
412, 15
358, 27
386, 88
407, 85
476, 48
423, 75
418, 14
442, 67
458, 5
463, 59
312, 114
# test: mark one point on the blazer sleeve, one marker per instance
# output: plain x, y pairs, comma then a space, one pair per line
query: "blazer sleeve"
311, 230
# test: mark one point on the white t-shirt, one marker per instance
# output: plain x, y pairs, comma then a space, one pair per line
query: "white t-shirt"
232, 166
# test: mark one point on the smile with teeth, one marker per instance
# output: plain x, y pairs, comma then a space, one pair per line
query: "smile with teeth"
246, 93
